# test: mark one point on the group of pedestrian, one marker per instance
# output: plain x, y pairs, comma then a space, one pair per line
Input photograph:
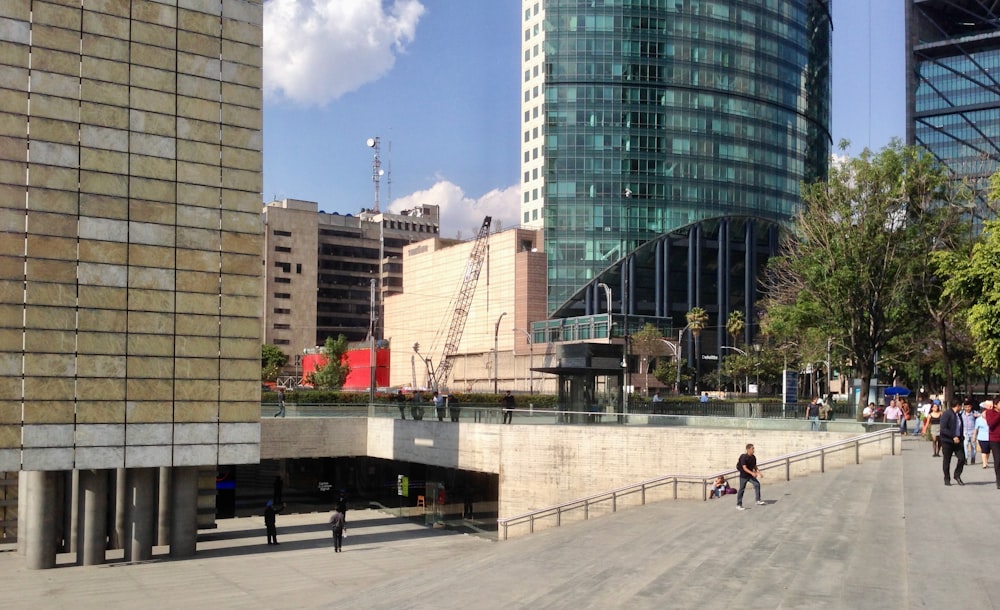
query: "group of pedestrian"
337, 520
818, 410
963, 431
449, 406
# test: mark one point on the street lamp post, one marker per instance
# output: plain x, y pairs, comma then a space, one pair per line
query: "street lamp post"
496, 352
746, 379
680, 351
531, 360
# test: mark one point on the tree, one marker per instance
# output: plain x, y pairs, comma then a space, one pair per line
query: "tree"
647, 343
739, 367
272, 360
735, 325
847, 269
334, 371
976, 278
696, 320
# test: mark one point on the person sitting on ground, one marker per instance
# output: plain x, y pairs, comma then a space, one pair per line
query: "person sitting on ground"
720, 487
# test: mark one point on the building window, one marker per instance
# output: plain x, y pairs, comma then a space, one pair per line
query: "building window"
282, 310
525, 217
282, 295
282, 249
298, 267
282, 327
282, 233
282, 280
282, 342
286, 267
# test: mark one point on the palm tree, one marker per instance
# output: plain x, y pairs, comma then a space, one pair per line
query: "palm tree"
735, 325
696, 319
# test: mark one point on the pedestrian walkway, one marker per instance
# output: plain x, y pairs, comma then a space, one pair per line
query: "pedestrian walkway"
885, 534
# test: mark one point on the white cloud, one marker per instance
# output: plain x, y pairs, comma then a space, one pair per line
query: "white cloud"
317, 50
462, 216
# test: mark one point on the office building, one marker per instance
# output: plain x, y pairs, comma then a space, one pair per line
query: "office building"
952, 97
663, 146
130, 179
319, 269
495, 347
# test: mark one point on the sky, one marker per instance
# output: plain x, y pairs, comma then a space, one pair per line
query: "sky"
438, 81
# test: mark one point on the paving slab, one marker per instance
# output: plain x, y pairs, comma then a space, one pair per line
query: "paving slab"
883, 534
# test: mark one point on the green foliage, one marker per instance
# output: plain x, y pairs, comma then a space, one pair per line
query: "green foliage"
696, 320
976, 278
735, 325
647, 343
850, 269
272, 360
334, 372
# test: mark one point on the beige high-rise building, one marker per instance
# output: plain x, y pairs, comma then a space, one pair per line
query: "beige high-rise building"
130, 283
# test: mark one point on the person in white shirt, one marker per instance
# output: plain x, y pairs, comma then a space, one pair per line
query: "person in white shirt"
893, 413
922, 413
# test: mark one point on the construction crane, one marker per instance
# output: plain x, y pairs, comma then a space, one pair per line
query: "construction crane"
463, 300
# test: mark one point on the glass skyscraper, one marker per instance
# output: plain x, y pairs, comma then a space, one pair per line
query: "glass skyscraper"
953, 84
664, 141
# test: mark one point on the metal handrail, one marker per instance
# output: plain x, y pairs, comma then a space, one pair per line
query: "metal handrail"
786, 460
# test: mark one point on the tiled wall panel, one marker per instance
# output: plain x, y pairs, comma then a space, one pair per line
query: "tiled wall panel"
129, 205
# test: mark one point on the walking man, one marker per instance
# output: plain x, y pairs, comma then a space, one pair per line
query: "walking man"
269, 525
812, 412
968, 431
281, 402
338, 525
951, 437
747, 465
992, 414
508, 408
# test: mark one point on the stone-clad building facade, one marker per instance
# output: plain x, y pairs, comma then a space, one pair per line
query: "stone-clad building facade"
130, 282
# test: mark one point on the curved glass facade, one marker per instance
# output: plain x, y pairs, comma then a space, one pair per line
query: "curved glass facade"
643, 116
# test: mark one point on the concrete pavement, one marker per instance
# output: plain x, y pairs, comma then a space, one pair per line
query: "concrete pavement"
885, 534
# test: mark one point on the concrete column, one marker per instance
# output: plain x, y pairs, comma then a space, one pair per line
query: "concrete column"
163, 507
92, 520
120, 515
140, 487
71, 499
184, 511
43, 511
22, 512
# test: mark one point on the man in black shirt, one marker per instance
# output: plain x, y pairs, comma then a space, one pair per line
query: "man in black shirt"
508, 408
747, 465
951, 435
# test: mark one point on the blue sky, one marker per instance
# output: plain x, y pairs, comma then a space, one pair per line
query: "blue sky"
438, 82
